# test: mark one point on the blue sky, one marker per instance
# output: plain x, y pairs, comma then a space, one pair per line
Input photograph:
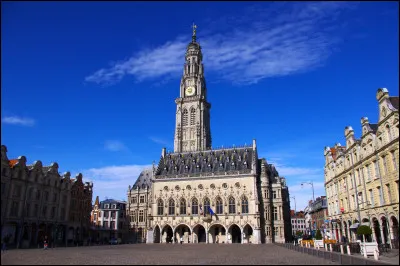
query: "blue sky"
91, 85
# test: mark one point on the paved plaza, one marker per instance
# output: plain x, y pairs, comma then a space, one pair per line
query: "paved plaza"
199, 254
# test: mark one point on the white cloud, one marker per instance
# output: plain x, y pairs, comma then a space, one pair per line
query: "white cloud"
304, 193
114, 145
113, 181
15, 120
265, 44
160, 141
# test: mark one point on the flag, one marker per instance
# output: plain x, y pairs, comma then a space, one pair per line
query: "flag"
210, 210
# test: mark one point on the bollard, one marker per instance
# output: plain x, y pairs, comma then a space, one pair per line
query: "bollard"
348, 250
341, 249
331, 247
365, 251
376, 254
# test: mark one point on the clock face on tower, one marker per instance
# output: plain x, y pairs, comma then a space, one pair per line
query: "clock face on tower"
189, 91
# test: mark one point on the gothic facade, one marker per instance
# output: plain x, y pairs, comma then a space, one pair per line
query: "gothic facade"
362, 177
200, 194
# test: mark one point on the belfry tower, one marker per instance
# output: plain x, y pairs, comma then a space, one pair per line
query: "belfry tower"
192, 132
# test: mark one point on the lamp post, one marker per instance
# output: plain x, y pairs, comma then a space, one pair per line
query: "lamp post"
312, 186
294, 204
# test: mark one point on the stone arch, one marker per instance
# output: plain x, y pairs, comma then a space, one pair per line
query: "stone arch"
217, 233
157, 234
234, 233
167, 234
183, 231
385, 230
394, 236
199, 234
247, 233
376, 230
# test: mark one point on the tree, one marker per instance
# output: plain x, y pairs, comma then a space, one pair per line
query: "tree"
364, 230
318, 235
299, 233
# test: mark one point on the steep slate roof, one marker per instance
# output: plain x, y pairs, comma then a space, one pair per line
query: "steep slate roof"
394, 100
144, 179
206, 162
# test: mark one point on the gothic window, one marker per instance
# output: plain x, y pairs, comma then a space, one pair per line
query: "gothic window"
245, 205
171, 207
206, 206
219, 206
192, 116
231, 205
160, 207
195, 206
185, 117
182, 209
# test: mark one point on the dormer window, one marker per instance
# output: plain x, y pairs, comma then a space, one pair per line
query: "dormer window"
106, 206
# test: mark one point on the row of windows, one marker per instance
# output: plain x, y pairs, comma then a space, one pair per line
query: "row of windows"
134, 217
112, 225
110, 213
141, 199
348, 205
34, 210
196, 207
364, 172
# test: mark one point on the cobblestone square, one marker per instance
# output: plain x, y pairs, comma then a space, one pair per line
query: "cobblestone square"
161, 254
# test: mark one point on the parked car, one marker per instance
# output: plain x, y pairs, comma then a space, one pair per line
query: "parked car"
113, 241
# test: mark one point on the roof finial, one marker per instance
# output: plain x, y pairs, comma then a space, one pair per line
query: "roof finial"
194, 27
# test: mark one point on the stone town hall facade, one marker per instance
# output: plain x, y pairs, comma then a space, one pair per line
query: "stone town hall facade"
173, 200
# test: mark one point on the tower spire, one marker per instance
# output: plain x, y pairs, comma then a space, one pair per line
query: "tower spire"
194, 27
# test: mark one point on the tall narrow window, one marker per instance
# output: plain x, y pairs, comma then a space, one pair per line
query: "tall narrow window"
219, 206
192, 116
389, 195
371, 198
195, 206
394, 162
182, 206
245, 205
160, 207
380, 195
368, 172
376, 169
185, 117
275, 213
384, 164
171, 207
232, 205
274, 194
141, 216
206, 206
389, 133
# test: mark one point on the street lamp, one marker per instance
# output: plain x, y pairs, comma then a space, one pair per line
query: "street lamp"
312, 186
294, 204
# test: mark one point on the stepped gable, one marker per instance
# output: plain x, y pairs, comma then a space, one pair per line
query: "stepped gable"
144, 179
220, 161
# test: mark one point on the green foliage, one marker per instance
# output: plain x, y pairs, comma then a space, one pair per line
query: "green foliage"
364, 230
318, 235
299, 233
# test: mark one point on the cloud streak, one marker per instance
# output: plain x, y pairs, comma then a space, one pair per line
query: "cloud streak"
114, 145
272, 44
160, 141
20, 121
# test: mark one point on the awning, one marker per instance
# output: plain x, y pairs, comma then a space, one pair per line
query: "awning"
354, 226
